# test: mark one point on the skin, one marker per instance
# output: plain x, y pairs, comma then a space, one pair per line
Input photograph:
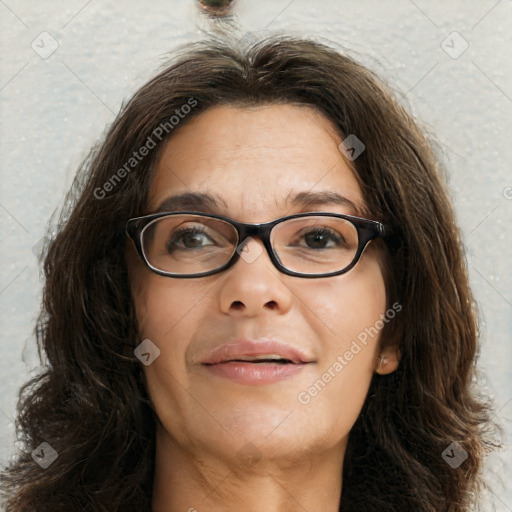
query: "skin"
252, 158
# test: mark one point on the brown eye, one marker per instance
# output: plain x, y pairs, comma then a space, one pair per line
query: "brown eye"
317, 238
190, 238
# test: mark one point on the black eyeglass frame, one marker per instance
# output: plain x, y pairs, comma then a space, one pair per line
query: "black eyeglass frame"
367, 230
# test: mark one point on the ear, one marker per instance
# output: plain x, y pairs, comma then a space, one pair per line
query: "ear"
388, 360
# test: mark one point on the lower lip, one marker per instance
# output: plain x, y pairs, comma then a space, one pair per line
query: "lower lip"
255, 373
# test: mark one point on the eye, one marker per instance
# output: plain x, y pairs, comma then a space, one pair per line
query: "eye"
317, 238
189, 237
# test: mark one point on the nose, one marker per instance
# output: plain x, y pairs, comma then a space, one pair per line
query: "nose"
253, 285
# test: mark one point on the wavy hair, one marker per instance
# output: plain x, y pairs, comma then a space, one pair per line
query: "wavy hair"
89, 402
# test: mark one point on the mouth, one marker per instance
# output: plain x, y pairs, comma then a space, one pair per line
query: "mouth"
255, 371
262, 359
263, 351
256, 363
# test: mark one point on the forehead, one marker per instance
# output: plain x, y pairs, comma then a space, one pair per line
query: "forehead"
258, 161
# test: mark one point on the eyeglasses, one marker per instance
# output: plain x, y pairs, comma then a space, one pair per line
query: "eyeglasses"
194, 244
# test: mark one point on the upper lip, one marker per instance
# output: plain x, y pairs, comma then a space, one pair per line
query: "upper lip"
248, 350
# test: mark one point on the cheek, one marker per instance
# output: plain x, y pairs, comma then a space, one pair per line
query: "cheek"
342, 307
164, 310
347, 309
161, 304
165, 316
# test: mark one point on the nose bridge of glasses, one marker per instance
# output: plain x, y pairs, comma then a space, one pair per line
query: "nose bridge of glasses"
257, 231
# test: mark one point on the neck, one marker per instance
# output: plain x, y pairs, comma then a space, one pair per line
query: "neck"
200, 481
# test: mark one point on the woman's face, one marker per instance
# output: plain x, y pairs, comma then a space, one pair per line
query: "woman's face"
253, 161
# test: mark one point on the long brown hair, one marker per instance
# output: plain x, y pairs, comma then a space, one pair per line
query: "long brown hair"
90, 403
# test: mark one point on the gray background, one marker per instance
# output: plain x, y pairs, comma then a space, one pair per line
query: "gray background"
52, 108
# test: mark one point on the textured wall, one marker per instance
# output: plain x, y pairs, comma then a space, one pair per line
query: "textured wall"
450, 62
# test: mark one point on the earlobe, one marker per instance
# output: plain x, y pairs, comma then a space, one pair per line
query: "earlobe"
388, 360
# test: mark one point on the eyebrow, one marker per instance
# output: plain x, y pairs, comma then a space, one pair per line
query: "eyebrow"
206, 203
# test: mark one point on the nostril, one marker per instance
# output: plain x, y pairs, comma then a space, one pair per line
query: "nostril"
271, 304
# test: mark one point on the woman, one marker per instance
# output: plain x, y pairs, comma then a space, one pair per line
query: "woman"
201, 361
